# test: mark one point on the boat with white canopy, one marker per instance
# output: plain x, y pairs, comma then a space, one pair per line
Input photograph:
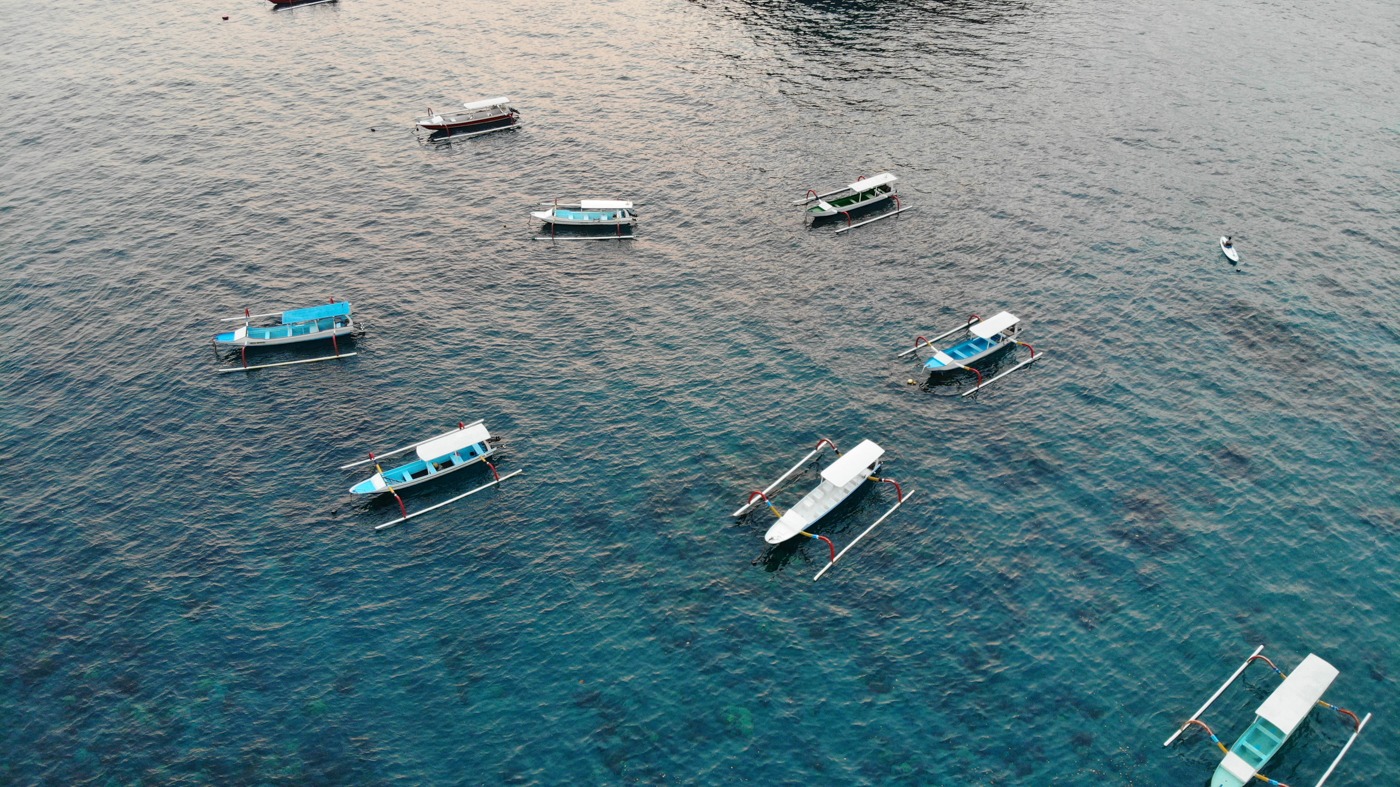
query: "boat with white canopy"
314, 323
838, 481
863, 193
589, 213
614, 214
433, 458
485, 116
979, 341
1274, 722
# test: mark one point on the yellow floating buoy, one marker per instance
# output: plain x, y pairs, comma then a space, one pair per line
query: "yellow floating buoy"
910, 382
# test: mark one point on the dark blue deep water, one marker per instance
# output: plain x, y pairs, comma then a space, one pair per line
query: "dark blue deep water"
1205, 460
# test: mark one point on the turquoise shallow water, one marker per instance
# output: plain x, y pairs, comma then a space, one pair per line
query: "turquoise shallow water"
1205, 460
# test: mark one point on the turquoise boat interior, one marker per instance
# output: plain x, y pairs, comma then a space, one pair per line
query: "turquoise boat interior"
964, 350
421, 470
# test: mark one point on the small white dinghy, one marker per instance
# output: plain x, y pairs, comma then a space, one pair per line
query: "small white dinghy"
1227, 246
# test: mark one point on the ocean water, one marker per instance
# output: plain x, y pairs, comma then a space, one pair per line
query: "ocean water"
1205, 460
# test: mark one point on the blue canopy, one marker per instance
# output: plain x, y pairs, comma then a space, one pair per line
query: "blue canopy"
341, 309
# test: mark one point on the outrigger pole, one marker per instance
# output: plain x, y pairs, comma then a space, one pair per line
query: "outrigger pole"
246, 368
450, 137
747, 507
971, 321
1197, 715
1035, 356
407, 516
880, 217
373, 457
902, 498
1343, 752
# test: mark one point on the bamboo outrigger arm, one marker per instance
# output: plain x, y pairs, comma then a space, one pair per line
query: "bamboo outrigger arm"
893, 508
1214, 696
753, 499
1343, 752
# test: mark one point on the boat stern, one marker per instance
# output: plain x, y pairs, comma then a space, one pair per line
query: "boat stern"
1233, 771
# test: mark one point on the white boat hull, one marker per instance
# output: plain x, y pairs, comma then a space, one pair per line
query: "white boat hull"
255, 341
810, 509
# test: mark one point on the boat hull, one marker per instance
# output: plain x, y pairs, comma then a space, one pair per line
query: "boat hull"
847, 205
447, 123
419, 472
814, 506
279, 334
574, 219
967, 353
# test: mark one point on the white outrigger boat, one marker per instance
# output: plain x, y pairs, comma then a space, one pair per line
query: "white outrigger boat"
1275, 720
313, 323
838, 482
864, 193
980, 341
435, 457
475, 117
614, 213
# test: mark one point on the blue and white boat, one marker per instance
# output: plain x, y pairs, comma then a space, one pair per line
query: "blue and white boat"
589, 213
1275, 721
433, 458
980, 341
295, 325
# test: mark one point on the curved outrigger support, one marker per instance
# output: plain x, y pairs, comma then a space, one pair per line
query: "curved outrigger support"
749, 506
1276, 719
897, 210
1035, 356
899, 493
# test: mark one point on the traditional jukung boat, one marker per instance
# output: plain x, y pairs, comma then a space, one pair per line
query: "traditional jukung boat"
313, 323
588, 213
864, 193
1275, 720
838, 482
435, 457
979, 342
289, 3
495, 113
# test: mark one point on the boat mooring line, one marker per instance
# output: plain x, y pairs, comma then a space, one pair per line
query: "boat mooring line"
286, 363
487, 485
863, 535
1214, 696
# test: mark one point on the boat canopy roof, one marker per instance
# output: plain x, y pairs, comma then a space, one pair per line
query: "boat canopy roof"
603, 204
486, 102
994, 325
1295, 697
871, 182
341, 309
439, 447
852, 463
